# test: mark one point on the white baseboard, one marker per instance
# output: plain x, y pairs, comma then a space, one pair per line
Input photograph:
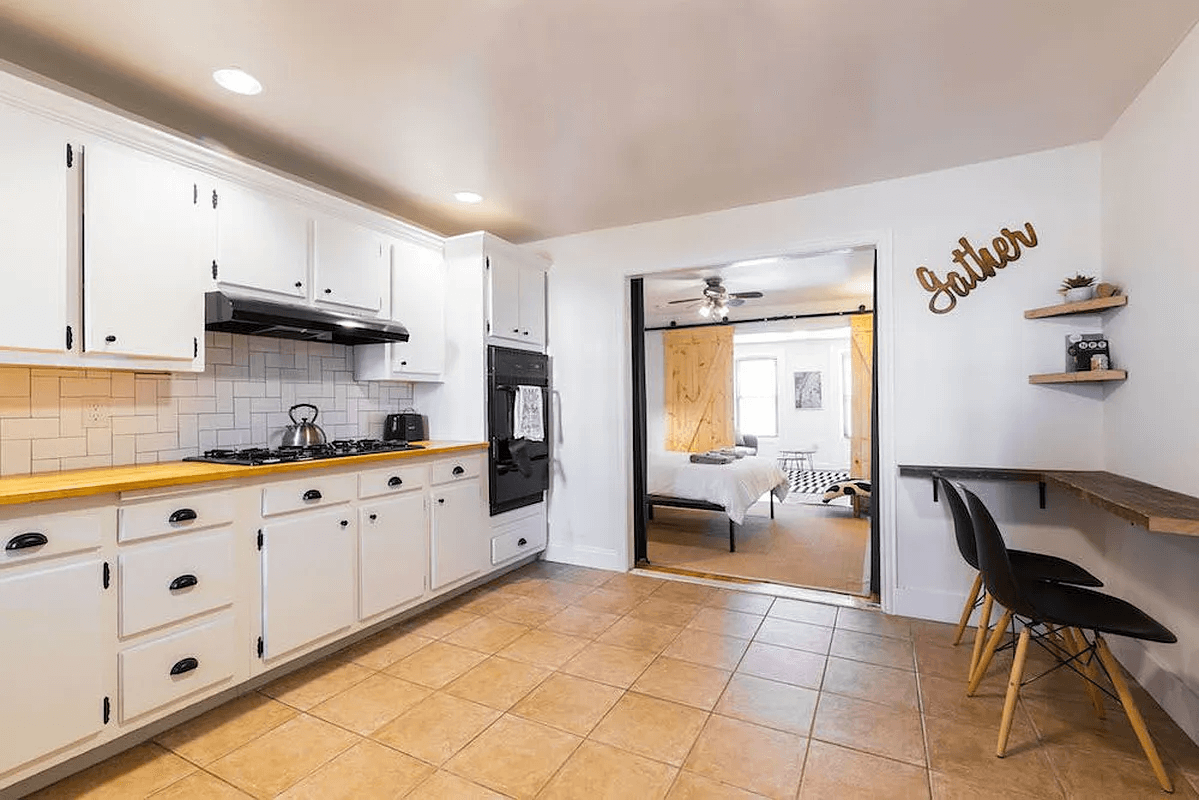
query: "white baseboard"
582, 556
938, 606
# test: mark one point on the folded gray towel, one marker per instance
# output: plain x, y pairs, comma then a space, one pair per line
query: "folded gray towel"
710, 458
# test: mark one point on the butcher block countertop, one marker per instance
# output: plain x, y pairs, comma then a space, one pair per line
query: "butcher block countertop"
107, 480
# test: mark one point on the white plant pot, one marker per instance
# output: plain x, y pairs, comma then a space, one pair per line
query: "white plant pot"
1079, 294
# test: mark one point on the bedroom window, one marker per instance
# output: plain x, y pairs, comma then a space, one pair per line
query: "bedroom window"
757, 396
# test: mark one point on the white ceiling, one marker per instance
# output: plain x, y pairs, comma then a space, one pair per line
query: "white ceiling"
809, 284
571, 116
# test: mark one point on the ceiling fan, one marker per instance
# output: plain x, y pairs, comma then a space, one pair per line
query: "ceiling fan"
716, 299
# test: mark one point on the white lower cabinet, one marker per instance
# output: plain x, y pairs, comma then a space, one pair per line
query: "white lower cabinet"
391, 553
172, 667
168, 582
522, 533
307, 579
456, 534
53, 637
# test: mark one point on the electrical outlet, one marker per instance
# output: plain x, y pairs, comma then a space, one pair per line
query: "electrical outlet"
96, 412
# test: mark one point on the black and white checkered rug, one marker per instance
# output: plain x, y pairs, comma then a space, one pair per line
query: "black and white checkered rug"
808, 481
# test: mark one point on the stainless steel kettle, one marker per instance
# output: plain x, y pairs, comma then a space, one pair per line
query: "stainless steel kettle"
305, 432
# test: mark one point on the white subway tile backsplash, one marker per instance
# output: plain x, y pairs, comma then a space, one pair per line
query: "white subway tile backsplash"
54, 419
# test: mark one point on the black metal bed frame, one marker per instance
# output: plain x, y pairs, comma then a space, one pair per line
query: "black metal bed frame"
666, 501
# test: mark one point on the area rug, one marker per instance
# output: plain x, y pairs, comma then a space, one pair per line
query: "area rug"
812, 482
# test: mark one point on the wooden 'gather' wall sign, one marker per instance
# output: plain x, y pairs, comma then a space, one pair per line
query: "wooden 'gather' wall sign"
979, 264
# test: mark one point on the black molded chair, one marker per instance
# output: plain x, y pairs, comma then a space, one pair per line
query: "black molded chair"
1028, 565
1061, 609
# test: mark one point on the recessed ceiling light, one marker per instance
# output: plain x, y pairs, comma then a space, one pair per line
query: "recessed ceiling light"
237, 81
468, 197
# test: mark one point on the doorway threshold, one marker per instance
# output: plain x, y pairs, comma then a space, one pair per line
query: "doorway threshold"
824, 596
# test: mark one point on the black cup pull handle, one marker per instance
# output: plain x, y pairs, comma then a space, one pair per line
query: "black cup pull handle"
521, 542
394, 481
183, 582
184, 665
183, 515
24, 541
312, 494
458, 470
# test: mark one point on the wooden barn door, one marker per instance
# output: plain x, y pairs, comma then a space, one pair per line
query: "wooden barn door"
699, 388
862, 364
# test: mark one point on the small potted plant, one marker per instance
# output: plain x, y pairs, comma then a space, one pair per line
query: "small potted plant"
1080, 287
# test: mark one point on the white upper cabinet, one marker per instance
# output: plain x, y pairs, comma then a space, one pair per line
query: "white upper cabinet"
262, 242
418, 296
350, 265
517, 297
143, 255
34, 197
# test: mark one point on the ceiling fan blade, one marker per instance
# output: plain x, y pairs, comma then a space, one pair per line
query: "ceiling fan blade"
688, 300
746, 295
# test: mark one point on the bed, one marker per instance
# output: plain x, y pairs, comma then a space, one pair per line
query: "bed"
673, 481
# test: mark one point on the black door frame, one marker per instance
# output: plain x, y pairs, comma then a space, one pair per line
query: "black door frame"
640, 444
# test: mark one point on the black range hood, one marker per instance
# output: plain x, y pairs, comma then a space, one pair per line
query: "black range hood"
253, 317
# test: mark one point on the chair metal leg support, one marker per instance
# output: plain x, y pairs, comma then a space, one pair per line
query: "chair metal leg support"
1080, 647
971, 604
980, 635
1134, 714
772, 503
732, 538
1013, 692
985, 660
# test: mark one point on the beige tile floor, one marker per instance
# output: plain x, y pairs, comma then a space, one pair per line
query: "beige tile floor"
561, 682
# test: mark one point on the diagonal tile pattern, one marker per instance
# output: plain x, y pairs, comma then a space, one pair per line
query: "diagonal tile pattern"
564, 682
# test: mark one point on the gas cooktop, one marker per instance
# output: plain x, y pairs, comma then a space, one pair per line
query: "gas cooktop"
339, 448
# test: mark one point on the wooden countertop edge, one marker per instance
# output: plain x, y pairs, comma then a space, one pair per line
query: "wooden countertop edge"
1066, 479
109, 480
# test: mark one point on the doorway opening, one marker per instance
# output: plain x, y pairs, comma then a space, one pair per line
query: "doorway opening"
755, 421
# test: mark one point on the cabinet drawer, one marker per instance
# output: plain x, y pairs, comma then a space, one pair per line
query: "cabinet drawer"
39, 536
171, 514
199, 567
455, 469
198, 657
390, 481
314, 492
520, 538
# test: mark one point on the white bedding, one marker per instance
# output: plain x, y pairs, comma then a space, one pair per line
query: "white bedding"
736, 486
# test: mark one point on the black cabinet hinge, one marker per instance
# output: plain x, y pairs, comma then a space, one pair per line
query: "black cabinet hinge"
214, 198
260, 538
214, 269
195, 347
107, 581
107, 714
260, 647
487, 263
70, 156
70, 338
195, 193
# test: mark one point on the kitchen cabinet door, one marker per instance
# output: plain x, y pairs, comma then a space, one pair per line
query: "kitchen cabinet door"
143, 257
307, 579
391, 553
504, 276
532, 305
350, 265
458, 532
52, 672
418, 301
262, 242
33, 231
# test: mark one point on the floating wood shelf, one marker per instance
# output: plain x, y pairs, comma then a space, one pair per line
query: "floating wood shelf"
1081, 307
1085, 376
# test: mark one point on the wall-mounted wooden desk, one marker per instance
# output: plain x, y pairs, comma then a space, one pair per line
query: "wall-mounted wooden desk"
1156, 509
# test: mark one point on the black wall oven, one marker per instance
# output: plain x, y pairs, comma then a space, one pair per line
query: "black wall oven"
519, 466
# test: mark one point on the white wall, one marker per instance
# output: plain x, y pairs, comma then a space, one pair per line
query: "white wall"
1150, 215
954, 388
800, 427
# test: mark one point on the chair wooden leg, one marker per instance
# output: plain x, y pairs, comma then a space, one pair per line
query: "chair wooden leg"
1013, 692
988, 653
1134, 714
1078, 643
980, 635
968, 608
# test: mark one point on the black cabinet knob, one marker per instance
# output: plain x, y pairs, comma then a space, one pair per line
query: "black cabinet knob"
516, 330
441, 500
299, 284
312, 494
110, 338
526, 333
328, 291
373, 517
403, 363
345, 523
521, 542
